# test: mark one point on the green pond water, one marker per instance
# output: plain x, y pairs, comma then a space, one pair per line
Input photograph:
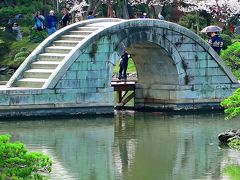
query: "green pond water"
130, 146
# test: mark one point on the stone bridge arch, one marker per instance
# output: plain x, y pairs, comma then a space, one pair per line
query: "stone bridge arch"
177, 70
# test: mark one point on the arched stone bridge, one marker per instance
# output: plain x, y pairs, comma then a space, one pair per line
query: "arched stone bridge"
71, 71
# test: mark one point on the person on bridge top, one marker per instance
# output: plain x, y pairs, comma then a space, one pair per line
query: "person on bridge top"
51, 23
65, 18
215, 41
123, 66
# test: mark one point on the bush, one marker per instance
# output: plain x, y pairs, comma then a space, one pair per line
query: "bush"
232, 105
236, 38
4, 48
227, 40
20, 57
16, 162
231, 56
38, 36
235, 144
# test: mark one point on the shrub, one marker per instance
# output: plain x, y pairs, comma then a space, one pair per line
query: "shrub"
20, 57
236, 38
16, 162
37, 36
227, 40
231, 56
235, 144
4, 48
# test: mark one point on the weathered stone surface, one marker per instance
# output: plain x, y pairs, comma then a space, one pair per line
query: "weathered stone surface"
176, 70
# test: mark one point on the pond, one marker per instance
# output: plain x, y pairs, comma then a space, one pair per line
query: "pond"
130, 146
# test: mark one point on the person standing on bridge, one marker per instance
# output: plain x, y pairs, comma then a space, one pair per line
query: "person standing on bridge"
123, 66
215, 41
51, 23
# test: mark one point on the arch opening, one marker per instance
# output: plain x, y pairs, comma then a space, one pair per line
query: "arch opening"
153, 64
155, 70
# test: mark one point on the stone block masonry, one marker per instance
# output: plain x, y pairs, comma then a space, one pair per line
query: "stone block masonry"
70, 73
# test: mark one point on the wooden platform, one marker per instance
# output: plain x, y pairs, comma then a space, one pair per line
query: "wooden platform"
125, 91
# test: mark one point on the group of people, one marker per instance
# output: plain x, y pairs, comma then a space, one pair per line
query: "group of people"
50, 22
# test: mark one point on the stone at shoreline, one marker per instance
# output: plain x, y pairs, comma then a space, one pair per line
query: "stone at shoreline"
229, 135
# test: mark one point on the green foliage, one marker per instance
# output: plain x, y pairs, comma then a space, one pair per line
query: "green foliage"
236, 38
16, 162
227, 40
20, 57
8, 13
12, 58
37, 36
235, 144
231, 56
190, 21
233, 171
232, 105
4, 47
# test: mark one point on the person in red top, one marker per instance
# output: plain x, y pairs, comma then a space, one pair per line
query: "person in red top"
231, 28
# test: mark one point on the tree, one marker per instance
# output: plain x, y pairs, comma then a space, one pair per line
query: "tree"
221, 10
231, 57
120, 7
16, 162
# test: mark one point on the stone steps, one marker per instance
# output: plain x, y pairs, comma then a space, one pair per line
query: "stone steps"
66, 43
45, 64
73, 37
48, 61
85, 28
31, 82
38, 73
58, 49
80, 32
51, 57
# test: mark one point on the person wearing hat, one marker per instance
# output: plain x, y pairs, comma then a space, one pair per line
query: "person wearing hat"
51, 23
215, 41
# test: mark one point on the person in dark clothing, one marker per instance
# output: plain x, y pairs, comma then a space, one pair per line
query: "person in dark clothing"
123, 66
65, 18
215, 41
51, 23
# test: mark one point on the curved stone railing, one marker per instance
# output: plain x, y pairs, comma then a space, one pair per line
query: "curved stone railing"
40, 48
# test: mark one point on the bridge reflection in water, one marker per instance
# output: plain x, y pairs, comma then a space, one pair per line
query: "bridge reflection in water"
129, 146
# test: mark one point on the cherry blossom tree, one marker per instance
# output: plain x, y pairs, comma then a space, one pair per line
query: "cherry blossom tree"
121, 6
221, 10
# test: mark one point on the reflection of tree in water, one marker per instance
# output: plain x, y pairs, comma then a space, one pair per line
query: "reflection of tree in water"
124, 142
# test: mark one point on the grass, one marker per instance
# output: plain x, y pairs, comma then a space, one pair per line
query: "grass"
131, 66
233, 171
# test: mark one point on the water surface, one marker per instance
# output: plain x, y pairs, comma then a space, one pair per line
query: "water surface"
130, 146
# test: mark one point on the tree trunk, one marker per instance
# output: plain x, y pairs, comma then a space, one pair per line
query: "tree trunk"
96, 7
122, 9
